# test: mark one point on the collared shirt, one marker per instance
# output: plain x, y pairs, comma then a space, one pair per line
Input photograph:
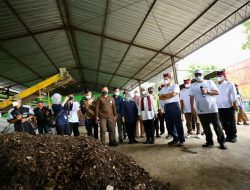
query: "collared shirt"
167, 90
146, 114
227, 94
204, 103
118, 103
185, 97
105, 107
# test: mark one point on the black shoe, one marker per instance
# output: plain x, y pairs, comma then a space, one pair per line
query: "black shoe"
120, 141
157, 136
223, 146
125, 136
113, 144
181, 144
233, 140
173, 142
147, 142
238, 123
206, 145
245, 123
161, 133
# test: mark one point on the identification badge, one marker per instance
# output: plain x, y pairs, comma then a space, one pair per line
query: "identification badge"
65, 117
111, 101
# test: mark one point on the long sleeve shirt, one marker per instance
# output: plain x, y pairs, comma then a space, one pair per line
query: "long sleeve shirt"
105, 107
118, 103
146, 114
129, 111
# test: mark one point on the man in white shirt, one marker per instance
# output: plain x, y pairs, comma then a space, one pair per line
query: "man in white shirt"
204, 92
147, 113
186, 109
227, 104
169, 95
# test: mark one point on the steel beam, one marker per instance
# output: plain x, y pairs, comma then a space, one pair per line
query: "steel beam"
132, 41
188, 26
102, 41
20, 62
29, 31
70, 36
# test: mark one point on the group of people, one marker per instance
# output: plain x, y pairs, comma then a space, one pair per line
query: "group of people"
202, 102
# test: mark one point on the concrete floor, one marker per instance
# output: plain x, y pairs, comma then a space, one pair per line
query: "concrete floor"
192, 167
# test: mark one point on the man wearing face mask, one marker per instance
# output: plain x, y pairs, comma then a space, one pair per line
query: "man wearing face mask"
186, 109
20, 116
204, 92
90, 106
118, 104
169, 95
41, 117
147, 113
227, 104
156, 103
129, 117
106, 115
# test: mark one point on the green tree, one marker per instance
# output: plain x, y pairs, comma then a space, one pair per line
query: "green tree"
205, 68
246, 45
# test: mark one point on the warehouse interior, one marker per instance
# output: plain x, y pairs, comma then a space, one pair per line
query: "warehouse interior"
122, 43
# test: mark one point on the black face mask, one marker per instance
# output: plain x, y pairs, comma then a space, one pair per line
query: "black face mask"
104, 93
150, 92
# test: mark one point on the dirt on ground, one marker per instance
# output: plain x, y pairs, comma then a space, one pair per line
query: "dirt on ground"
57, 162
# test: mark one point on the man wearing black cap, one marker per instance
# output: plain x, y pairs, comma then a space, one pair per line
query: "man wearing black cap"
227, 104
204, 92
169, 96
20, 116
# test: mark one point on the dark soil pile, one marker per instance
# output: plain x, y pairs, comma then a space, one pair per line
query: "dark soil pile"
56, 162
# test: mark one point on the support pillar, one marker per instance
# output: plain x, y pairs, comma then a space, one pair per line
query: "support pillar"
174, 70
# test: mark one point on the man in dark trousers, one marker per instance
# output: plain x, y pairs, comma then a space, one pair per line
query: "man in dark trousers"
118, 103
20, 116
129, 117
41, 117
227, 104
169, 95
204, 92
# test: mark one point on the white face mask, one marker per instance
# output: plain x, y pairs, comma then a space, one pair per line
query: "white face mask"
15, 104
136, 94
117, 93
199, 78
88, 97
166, 82
187, 85
143, 92
219, 79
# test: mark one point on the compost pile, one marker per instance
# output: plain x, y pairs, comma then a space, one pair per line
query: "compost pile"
57, 162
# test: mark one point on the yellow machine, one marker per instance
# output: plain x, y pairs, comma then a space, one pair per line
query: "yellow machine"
55, 81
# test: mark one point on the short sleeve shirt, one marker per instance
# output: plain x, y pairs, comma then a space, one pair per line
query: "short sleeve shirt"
204, 103
170, 89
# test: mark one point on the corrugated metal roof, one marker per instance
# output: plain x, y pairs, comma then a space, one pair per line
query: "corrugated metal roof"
135, 43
